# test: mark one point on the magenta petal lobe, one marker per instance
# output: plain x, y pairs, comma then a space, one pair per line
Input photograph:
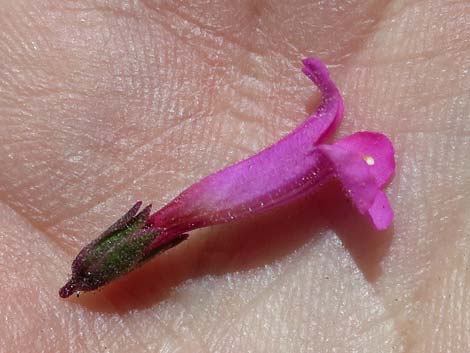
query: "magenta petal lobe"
352, 171
376, 149
324, 121
381, 213
364, 162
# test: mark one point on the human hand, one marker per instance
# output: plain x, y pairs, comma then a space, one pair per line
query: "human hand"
105, 103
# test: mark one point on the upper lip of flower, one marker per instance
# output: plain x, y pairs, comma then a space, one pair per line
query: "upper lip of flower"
297, 164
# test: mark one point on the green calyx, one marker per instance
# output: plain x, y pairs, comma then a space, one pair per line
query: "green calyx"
121, 239
121, 248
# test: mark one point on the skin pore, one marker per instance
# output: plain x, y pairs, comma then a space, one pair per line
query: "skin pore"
106, 102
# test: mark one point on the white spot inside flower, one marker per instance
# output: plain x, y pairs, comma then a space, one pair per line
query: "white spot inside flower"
369, 160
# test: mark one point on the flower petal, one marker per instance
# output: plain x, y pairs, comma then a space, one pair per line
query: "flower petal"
329, 114
353, 172
376, 149
381, 213
364, 162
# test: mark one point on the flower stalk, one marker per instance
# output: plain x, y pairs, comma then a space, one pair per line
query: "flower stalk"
298, 164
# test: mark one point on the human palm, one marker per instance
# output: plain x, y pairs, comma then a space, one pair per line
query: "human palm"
103, 103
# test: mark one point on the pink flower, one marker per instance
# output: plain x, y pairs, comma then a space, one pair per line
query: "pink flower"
298, 164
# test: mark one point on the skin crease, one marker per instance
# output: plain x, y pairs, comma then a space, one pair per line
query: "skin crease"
106, 102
